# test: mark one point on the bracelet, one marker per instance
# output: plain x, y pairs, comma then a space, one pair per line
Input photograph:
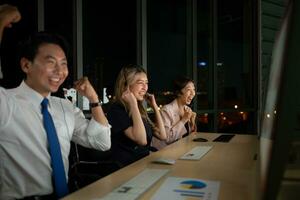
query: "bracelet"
93, 105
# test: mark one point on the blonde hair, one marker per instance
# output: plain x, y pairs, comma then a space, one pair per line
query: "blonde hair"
125, 78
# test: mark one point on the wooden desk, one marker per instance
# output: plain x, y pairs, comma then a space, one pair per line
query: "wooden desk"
232, 164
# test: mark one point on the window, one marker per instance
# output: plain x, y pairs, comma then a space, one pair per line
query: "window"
225, 68
109, 40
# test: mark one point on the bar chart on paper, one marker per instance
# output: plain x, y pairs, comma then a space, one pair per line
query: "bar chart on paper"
178, 188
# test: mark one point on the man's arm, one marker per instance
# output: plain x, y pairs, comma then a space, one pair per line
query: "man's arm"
84, 87
8, 15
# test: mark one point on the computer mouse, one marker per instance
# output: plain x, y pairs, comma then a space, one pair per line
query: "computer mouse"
200, 140
166, 161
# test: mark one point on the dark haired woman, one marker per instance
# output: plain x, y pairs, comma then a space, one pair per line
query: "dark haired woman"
179, 119
132, 130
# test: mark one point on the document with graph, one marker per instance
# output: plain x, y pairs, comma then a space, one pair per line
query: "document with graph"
178, 188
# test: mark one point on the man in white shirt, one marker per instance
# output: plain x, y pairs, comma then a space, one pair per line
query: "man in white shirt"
25, 166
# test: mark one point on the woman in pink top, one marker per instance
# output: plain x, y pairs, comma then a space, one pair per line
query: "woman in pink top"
178, 117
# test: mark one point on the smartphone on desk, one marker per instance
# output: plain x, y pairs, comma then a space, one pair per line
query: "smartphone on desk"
224, 138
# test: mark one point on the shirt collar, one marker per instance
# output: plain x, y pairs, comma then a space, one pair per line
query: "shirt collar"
33, 96
175, 104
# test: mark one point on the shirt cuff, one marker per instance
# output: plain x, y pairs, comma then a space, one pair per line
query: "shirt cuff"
94, 127
99, 135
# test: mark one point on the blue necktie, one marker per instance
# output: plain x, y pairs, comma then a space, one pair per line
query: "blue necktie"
59, 175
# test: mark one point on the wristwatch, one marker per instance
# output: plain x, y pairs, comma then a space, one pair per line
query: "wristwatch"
93, 105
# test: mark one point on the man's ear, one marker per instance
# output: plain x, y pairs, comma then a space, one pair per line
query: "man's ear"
25, 64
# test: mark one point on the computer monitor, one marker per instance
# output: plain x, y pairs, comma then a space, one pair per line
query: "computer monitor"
280, 120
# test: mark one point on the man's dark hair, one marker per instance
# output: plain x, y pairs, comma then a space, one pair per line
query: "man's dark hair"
29, 48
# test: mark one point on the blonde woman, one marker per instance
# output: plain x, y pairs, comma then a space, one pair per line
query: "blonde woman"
178, 117
132, 130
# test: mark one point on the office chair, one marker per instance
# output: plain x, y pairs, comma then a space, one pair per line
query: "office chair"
88, 165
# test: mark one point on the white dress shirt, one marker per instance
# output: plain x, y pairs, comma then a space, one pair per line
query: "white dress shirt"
25, 168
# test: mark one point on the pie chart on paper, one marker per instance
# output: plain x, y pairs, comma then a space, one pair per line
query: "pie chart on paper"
192, 184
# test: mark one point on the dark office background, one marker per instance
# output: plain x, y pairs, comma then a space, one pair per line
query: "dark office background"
213, 42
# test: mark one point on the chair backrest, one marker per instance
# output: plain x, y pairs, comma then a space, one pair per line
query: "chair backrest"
91, 155
88, 165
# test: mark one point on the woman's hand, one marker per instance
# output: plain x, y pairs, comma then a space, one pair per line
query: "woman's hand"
151, 100
193, 122
129, 98
187, 114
